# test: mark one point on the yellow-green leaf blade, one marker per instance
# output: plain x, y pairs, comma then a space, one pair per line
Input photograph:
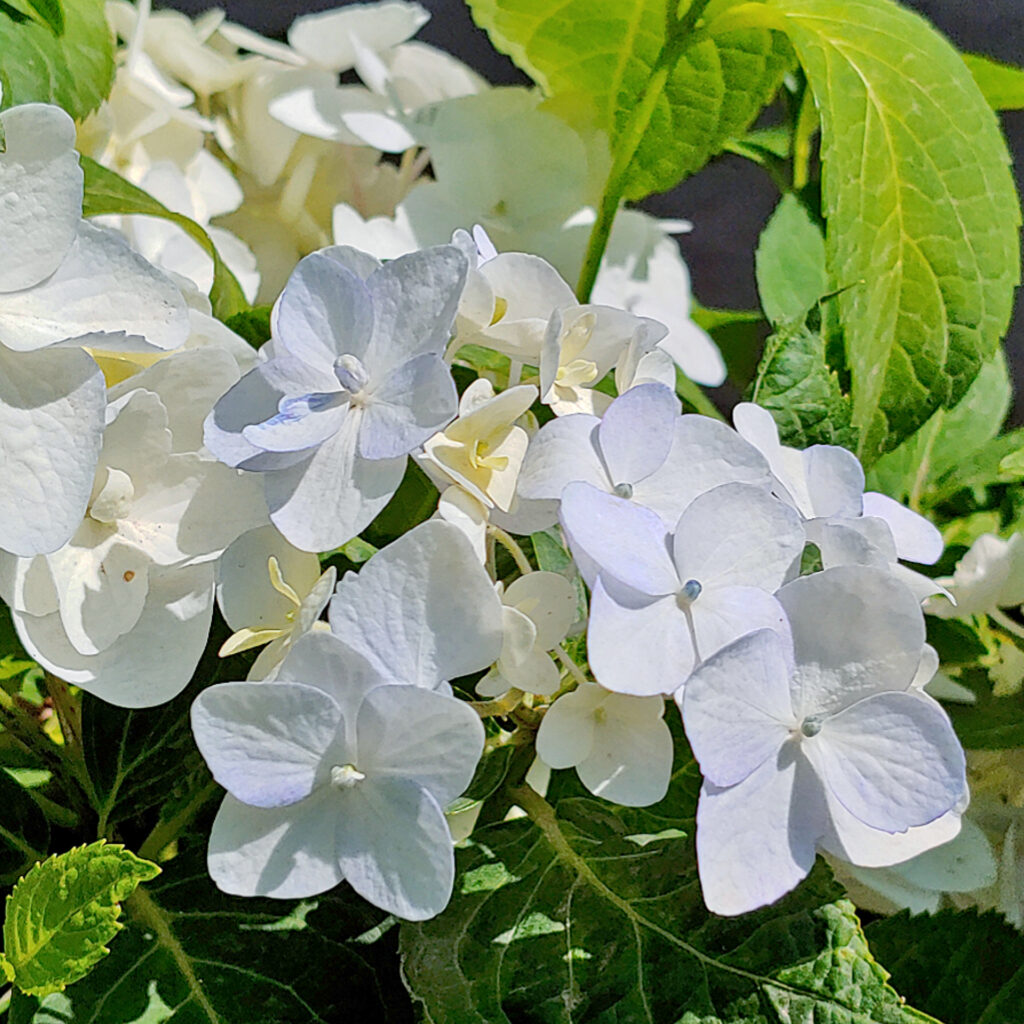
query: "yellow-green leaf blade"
1002, 85
108, 193
60, 916
921, 209
59, 53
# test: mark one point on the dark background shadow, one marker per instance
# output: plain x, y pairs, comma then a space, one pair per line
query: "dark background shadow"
730, 200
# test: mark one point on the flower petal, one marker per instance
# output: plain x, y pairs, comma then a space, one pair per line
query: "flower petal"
264, 742
412, 403
562, 451
637, 644
917, 540
395, 848
168, 640
413, 733
891, 759
736, 707
737, 535
324, 312
636, 432
285, 852
870, 638
42, 184
51, 419
414, 302
421, 610
628, 542
326, 500
630, 761
102, 285
755, 841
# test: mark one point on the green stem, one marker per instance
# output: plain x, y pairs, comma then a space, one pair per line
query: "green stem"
165, 832
149, 914
570, 666
509, 544
628, 142
69, 713
28, 734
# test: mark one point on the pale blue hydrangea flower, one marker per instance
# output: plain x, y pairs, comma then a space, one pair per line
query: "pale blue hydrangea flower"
663, 601
354, 381
821, 743
335, 774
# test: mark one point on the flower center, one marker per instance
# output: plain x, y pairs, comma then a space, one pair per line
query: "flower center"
345, 776
689, 593
352, 376
576, 374
625, 490
812, 724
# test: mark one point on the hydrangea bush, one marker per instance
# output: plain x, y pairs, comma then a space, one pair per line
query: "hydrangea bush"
393, 628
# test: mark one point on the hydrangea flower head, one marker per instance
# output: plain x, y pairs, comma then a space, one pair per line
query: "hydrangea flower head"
826, 743
353, 383
333, 773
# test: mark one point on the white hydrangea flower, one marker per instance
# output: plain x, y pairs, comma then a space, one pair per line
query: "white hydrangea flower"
661, 601
142, 559
538, 610
827, 482
60, 278
641, 450
334, 774
354, 382
270, 592
483, 449
398, 82
178, 45
422, 610
620, 745
203, 189
990, 576
644, 273
822, 744
581, 344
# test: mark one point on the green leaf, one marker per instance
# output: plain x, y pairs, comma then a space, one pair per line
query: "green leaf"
790, 262
796, 385
24, 831
603, 53
964, 967
413, 503
45, 12
252, 324
71, 65
190, 953
108, 193
589, 914
63, 912
140, 758
490, 774
920, 207
993, 723
948, 438
1002, 85
739, 335
982, 467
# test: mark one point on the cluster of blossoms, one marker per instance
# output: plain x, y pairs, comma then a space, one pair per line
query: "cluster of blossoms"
156, 465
